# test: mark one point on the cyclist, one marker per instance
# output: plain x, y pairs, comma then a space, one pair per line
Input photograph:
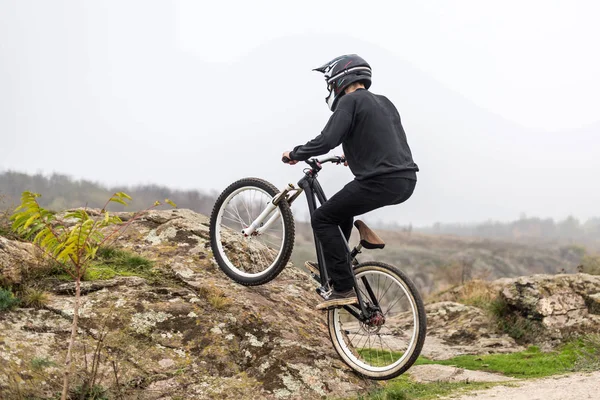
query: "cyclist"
374, 143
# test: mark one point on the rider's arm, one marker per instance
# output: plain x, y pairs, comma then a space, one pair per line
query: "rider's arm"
332, 135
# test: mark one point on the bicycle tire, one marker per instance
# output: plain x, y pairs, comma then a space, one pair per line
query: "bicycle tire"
225, 264
351, 355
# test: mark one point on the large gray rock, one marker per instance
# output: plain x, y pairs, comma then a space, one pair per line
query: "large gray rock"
563, 304
454, 329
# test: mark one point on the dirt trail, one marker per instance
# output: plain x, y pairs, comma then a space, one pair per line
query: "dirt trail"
581, 386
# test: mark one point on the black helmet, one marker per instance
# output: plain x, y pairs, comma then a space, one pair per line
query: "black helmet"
341, 72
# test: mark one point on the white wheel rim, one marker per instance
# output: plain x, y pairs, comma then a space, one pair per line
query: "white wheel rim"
219, 241
349, 354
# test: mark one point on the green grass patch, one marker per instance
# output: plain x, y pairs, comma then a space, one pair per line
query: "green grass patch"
111, 262
39, 363
532, 363
580, 354
403, 388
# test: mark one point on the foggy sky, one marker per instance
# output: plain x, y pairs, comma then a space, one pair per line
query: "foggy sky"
500, 103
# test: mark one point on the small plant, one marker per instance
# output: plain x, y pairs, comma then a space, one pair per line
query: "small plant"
35, 298
72, 247
39, 363
7, 300
215, 297
219, 301
96, 392
589, 357
522, 329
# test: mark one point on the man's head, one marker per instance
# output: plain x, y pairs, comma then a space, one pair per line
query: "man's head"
342, 72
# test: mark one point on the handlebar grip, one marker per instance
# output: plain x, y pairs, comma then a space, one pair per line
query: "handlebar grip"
285, 159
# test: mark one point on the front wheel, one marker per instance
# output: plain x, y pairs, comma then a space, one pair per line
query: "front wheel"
387, 344
257, 258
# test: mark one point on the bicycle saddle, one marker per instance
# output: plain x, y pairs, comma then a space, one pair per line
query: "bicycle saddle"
368, 238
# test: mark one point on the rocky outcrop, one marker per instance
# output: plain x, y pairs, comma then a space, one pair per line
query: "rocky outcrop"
455, 329
563, 304
189, 333
16, 258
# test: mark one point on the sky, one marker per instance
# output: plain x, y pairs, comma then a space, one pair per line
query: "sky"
499, 100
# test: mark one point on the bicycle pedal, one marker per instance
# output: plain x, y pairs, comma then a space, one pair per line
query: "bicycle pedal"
323, 292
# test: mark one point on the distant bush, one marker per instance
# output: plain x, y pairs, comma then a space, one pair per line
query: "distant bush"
590, 264
573, 253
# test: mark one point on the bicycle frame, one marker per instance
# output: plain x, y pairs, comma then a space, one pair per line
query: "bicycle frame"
314, 192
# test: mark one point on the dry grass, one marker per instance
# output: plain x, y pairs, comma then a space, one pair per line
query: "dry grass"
34, 298
476, 292
215, 297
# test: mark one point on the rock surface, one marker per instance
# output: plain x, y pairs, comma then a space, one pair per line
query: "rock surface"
193, 333
15, 257
582, 386
563, 304
447, 373
454, 329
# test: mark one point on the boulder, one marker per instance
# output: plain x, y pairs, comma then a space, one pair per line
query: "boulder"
563, 304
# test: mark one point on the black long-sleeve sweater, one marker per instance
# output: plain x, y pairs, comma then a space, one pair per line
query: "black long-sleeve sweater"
369, 128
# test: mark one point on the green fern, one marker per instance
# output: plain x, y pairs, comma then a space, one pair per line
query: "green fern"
72, 247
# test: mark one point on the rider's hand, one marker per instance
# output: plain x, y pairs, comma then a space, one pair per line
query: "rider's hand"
346, 160
287, 154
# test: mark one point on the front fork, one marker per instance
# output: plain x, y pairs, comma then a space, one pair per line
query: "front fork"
257, 226
290, 193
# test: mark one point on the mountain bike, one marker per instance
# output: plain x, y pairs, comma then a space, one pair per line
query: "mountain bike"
252, 237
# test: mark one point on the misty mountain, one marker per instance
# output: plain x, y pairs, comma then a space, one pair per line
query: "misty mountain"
111, 97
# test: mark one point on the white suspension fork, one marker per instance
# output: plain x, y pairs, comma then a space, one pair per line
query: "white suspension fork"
258, 221
257, 227
269, 222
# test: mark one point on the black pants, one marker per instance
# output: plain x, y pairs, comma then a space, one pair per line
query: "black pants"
356, 198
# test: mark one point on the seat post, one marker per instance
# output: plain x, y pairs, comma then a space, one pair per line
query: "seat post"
355, 251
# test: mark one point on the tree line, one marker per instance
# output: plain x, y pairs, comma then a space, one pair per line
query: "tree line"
60, 192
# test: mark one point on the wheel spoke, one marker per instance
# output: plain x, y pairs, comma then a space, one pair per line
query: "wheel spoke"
256, 255
378, 347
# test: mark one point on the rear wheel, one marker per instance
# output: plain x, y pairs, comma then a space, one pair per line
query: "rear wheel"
388, 343
258, 258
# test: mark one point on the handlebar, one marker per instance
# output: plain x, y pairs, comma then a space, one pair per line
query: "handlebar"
334, 159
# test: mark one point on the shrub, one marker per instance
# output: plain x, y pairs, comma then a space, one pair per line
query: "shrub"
523, 330
7, 300
590, 264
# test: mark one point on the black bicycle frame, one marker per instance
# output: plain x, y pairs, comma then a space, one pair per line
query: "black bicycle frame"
314, 192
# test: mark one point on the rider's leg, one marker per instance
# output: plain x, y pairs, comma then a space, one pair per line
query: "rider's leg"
356, 198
